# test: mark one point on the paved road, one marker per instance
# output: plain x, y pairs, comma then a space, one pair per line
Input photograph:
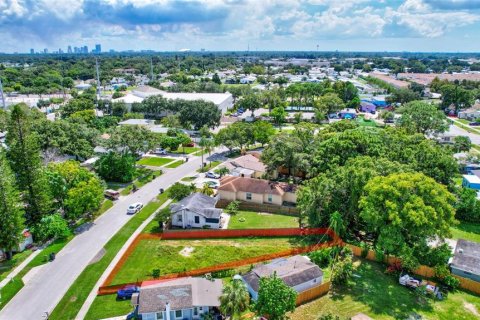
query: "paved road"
42, 293
457, 131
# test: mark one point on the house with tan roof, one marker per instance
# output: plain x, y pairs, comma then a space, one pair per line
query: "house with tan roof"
257, 191
248, 166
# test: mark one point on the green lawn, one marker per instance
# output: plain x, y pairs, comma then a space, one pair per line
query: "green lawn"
165, 255
381, 297
154, 161
73, 300
257, 220
11, 289
8, 265
108, 307
189, 179
140, 182
210, 166
175, 164
366, 123
186, 150
466, 230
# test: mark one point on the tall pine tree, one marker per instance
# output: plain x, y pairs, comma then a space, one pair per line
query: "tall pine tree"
11, 209
24, 156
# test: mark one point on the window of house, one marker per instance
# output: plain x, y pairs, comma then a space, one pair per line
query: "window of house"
159, 315
179, 218
249, 196
270, 198
178, 314
197, 219
195, 311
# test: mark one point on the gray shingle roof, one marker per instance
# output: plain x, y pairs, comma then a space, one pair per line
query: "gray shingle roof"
293, 271
199, 203
467, 256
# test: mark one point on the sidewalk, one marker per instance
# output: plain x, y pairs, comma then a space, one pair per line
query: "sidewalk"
19, 268
86, 306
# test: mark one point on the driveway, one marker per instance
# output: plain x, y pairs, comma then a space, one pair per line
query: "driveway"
45, 289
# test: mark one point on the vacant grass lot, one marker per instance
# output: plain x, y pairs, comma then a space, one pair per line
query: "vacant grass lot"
260, 220
165, 255
73, 300
466, 230
154, 161
381, 297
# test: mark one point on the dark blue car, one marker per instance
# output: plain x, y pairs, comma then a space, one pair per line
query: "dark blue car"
127, 292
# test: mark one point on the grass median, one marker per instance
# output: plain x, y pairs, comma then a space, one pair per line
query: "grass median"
78, 292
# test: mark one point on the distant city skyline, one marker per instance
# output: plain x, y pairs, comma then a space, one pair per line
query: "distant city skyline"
235, 25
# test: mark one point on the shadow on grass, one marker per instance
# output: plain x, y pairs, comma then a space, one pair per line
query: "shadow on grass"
469, 227
380, 292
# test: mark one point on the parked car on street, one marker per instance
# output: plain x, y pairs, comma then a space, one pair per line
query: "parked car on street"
212, 175
111, 194
134, 208
474, 124
127, 292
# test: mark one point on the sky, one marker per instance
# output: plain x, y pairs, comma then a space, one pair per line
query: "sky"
236, 25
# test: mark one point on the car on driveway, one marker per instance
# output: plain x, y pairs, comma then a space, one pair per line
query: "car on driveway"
212, 184
134, 207
159, 151
127, 292
212, 175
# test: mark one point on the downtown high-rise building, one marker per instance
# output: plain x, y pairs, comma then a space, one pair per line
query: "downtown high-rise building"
32, 51
69, 49
98, 48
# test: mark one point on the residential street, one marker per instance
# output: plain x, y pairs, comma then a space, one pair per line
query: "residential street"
50, 283
457, 131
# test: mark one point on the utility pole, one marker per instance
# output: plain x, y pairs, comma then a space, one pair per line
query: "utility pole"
151, 70
98, 79
2, 96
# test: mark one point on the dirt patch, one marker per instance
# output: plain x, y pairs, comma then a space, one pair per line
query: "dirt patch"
470, 307
187, 251
264, 214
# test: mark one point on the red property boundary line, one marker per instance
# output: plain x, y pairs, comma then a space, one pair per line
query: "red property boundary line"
106, 288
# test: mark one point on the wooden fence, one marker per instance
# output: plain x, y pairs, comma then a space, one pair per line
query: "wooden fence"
313, 293
257, 207
424, 271
106, 288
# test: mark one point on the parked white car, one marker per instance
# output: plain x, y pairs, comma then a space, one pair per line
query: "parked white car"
134, 208
159, 151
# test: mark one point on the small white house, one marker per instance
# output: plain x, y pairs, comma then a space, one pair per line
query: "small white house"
196, 211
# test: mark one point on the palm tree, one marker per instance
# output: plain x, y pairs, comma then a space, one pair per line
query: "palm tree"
234, 299
206, 190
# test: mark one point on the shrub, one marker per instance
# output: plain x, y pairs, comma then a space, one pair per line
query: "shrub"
322, 258
441, 271
451, 282
51, 227
342, 270
365, 249
178, 191
156, 273
232, 207
379, 255
395, 267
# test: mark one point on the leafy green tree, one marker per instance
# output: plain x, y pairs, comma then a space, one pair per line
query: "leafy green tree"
75, 105
24, 156
198, 113
84, 116
11, 209
467, 205
462, 143
84, 198
250, 102
178, 191
232, 207
424, 118
279, 114
327, 104
234, 299
262, 132
171, 121
116, 167
406, 209
275, 298
129, 140
52, 226
342, 269
216, 78
222, 171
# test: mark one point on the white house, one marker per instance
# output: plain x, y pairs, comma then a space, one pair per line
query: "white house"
298, 272
184, 298
196, 211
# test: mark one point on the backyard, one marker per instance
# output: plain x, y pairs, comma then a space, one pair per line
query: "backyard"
378, 295
171, 256
261, 220
466, 230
